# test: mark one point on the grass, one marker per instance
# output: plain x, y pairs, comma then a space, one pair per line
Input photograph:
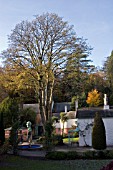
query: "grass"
19, 163
66, 140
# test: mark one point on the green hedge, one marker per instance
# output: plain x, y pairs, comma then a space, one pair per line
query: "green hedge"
58, 155
72, 155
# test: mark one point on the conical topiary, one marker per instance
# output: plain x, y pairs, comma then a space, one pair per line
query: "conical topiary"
98, 133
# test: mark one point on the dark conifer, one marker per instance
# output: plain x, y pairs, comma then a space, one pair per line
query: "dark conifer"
98, 134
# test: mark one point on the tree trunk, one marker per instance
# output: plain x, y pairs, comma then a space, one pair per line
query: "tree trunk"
49, 99
63, 129
41, 104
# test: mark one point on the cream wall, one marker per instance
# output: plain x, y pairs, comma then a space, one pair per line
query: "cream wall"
108, 122
87, 133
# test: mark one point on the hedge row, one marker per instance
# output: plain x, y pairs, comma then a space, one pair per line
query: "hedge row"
72, 155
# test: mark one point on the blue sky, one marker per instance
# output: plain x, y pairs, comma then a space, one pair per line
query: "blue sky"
92, 20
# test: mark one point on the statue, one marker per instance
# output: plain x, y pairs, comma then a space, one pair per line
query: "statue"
106, 106
105, 99
28, 124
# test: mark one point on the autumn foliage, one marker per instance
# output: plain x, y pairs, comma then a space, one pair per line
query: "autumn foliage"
94, 98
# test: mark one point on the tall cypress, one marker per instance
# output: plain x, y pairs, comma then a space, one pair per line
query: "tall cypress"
98, 133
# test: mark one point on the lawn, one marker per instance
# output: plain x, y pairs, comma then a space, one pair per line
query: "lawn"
19, 163
66, 140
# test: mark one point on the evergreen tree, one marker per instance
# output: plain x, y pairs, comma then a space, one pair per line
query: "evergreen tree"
108, 69
13, 140
2, 132
10, 109
76, 73
98, 133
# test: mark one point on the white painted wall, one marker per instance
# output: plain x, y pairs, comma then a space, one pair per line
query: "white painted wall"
108, 122
87, 133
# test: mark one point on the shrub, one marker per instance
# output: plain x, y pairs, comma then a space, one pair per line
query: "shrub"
49, 128
97, 154
89, 154
41, 139
27, 114
65, 135
81, 101
56, 155
98, 133
2, 132
109, 154
76, 134
58, 139
100, 155
74, 98
13, 140
4, 148
71, 155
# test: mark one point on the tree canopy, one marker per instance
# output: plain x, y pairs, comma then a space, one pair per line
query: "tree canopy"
94, 98
10, 110
45, 45
108, 70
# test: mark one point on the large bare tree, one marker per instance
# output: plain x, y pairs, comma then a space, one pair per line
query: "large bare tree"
44, 44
